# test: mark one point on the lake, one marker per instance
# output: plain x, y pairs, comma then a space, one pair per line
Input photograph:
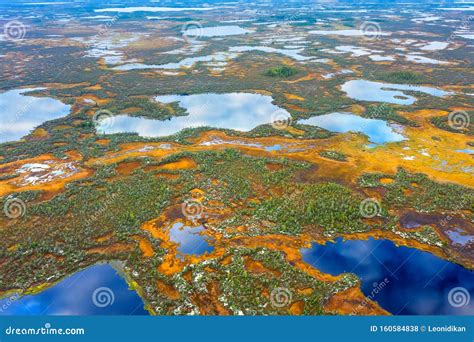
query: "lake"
238, 111
378, 131
409, 281
218, 57
189, 239
215, 31
96, 290
346, 33
20, 113
221, 57
152, 9
292, 53
363, 90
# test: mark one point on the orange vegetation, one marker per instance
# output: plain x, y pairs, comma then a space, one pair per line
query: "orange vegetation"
145, 246
111, 249
183, 163
53, 184
167, 290
126, 168
353, 302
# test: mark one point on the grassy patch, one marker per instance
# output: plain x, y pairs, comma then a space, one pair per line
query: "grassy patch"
330, 207
386, 112
144, 107
281, 71
417, 191
409, 77
335, 155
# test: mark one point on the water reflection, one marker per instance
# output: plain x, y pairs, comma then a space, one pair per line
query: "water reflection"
378, 131
74, 295
417, 283
208, 60
215, 31
460, 237
363, 90
20, 113
292, 53
239, 111
190, 239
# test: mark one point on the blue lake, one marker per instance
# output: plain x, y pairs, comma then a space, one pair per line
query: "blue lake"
239, 111
96, 290
378, 131
20, 113
459, 237
190, 239
415, 282
363, 90
215, 31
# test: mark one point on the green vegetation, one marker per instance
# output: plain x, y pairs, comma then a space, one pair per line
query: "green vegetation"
250, 293
409, 77
417, 191
335, 155
106, 204
75, 219
144, 107
100, 218
327, 207
281, 71
386, 112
